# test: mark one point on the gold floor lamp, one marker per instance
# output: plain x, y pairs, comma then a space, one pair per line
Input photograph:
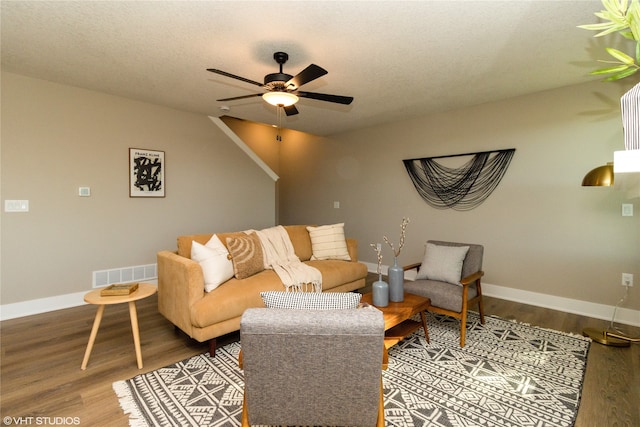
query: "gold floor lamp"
603, 176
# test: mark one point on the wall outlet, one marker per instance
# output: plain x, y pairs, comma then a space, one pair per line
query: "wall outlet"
627, 279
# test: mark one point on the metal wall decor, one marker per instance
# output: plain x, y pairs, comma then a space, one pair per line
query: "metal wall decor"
461, 188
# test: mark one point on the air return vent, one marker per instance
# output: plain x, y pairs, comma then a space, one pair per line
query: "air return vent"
138, 273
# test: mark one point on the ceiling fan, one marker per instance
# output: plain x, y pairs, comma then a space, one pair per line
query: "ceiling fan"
283, 89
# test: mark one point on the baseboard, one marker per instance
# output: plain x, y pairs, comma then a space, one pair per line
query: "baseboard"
567, 305
44, 305
41, 305
584, 308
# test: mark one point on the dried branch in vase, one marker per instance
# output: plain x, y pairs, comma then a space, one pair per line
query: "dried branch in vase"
378, 249
403, 228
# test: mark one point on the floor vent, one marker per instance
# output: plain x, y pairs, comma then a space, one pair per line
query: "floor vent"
138, 273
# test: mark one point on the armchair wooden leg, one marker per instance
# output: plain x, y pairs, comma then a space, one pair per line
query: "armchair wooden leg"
463, 327
245, 417
480, 305
380, 422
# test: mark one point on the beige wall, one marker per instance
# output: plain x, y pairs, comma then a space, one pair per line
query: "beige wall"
56, 138
261, 138
541, 230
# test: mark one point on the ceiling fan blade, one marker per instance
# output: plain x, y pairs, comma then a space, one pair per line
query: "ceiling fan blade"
310, 73
291, 110
240, 97
233, 76
346, 100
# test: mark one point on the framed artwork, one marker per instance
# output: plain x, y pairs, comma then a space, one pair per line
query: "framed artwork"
146, 173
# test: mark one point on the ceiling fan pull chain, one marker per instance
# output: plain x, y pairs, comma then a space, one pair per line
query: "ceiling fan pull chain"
462, 188
279, 124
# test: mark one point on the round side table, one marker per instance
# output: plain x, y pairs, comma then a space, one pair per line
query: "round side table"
144, 290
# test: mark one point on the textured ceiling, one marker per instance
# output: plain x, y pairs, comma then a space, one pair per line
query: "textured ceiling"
397, 59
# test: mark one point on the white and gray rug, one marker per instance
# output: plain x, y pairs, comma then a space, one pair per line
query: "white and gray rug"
508, 374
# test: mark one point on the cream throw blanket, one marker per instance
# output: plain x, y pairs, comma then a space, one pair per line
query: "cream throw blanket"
280, 256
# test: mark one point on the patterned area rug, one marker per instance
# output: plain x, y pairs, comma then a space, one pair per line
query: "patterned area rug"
508, 374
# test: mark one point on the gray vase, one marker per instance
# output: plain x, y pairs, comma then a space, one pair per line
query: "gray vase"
380, 290
396, 282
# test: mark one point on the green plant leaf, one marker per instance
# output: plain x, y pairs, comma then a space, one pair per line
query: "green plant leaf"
609, 70
615, 7
623, 17
595, 27
620, 56
612, 29
633, 16
621, 75
627, 35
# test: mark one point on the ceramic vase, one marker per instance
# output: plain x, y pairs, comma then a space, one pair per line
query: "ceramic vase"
396, 282
380, 290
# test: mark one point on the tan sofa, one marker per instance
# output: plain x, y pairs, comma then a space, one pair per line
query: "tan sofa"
208, 315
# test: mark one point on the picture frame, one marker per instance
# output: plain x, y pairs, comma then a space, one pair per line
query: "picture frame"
146, 173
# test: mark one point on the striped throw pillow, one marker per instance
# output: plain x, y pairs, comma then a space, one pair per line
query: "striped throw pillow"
328, 242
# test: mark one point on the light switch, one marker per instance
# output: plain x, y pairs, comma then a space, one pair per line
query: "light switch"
627, 209
336, 205
84, 191
16, 206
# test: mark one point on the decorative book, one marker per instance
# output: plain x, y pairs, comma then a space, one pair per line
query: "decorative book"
119, 289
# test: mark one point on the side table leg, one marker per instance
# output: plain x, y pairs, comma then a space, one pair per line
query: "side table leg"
424, 325
92, 337
136, 332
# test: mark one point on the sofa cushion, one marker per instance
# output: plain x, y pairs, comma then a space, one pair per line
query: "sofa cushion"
230, 299
214, 260
443, 295
443, 263
246, 254
233, 297
328, 242
311, 300
335, 272
300, 240
184, 242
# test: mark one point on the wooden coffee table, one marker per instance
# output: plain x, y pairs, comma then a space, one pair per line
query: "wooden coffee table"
397, 317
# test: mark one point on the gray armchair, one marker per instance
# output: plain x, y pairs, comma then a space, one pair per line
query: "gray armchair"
453, 299
312, 367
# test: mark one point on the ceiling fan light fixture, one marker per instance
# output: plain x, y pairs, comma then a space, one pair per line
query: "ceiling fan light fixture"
280, 99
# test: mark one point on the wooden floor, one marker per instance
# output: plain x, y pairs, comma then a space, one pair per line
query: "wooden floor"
41, 357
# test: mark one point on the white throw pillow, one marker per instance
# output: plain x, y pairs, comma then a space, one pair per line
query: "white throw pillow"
443, 263
311, 300
328, 242
214, 260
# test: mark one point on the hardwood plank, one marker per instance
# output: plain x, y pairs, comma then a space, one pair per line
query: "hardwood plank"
42, 354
